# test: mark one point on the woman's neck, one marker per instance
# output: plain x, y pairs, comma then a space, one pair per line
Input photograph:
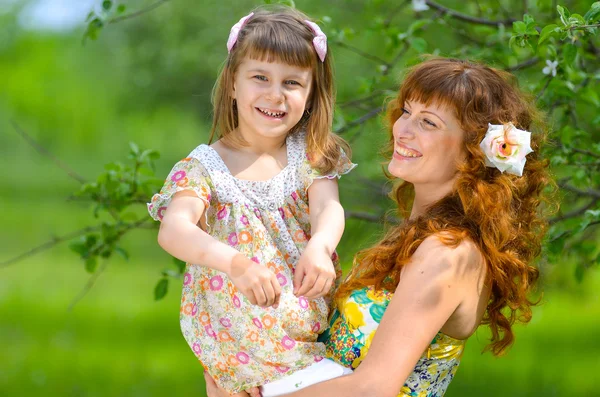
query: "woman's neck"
426, 195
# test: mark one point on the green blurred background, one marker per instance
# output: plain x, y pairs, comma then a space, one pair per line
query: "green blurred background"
148, 80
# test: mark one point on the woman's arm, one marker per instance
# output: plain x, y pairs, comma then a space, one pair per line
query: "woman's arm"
315, 273
430, 290
181, 237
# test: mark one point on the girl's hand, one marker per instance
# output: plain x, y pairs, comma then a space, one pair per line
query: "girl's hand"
213, 390
315, 273
256, 282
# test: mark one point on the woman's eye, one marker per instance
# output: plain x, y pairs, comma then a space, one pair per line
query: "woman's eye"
404, 111
430, 123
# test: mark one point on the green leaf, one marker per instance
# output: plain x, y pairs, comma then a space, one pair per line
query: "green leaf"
569, 53
576, 19
134, 149
90, 16
593, 14
79, 246
564, 14
180, 265
579, 272
417, 25
548, 32
519, 27
288, 3
161, 289
107, 5
122, 252
91, 264
512, 43
419, 44
590, 95
121, 8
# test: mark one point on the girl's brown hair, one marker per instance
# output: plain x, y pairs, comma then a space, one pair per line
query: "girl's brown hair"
503, 214
279, 34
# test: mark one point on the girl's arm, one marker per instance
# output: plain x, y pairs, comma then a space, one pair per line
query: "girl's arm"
181, 237
315, 273
431, 288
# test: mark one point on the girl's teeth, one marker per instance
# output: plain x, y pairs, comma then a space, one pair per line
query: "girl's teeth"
405, 153
272, 114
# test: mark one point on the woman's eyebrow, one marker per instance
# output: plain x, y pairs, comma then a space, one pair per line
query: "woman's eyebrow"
427, 111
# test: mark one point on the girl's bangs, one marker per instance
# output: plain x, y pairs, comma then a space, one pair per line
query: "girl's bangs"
287, 48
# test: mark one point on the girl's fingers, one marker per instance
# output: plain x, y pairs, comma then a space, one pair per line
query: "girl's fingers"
326, 288
269, 294
259, 294
317, 287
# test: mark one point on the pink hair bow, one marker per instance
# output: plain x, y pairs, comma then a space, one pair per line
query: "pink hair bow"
320, 40
235, 31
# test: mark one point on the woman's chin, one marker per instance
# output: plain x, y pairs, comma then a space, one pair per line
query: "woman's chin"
398, 171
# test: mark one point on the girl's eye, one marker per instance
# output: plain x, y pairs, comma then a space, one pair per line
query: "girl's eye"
260, 77
292, 82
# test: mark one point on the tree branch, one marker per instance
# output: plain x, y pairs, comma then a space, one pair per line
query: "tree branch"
586, 193
138, 13
523, 65
372, 113
467, 18
88, 285
574, 213
49, 244
360, 52
586, 152
596, 25
44, 152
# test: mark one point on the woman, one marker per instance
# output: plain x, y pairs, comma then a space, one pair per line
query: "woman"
476, 186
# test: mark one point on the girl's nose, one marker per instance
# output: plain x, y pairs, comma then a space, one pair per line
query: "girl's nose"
275, 94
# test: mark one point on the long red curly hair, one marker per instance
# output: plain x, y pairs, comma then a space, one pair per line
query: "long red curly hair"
503, 214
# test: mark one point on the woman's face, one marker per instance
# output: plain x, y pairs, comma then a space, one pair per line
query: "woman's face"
428, 145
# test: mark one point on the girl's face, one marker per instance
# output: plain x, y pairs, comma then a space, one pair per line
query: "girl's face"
428, 145
271, 97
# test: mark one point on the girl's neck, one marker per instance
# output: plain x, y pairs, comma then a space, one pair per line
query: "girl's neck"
260, 145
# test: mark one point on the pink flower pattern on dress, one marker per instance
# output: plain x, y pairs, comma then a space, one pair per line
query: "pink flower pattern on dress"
222, 328
216, 283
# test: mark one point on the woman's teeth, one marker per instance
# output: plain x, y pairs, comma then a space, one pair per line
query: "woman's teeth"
406, 152
271, 114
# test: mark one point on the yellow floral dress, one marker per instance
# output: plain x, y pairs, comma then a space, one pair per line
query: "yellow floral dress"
242, 345
351, 331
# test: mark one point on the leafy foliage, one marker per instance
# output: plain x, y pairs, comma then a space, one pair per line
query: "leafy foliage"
553, 50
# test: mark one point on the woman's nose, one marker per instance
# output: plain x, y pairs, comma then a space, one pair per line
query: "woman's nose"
403, 128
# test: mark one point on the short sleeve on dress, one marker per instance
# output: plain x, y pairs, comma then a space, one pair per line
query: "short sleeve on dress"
343, 166
187, 174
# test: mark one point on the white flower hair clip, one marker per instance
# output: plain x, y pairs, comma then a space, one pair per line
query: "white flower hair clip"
505, 147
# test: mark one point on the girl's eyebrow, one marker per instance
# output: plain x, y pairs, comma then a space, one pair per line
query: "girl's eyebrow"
261, 71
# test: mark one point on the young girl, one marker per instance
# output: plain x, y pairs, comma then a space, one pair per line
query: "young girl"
237, 211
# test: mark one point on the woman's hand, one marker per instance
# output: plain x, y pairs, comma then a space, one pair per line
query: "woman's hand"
213, 390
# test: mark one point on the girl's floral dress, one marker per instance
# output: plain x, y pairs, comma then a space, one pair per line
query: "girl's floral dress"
242, 345
353, 325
